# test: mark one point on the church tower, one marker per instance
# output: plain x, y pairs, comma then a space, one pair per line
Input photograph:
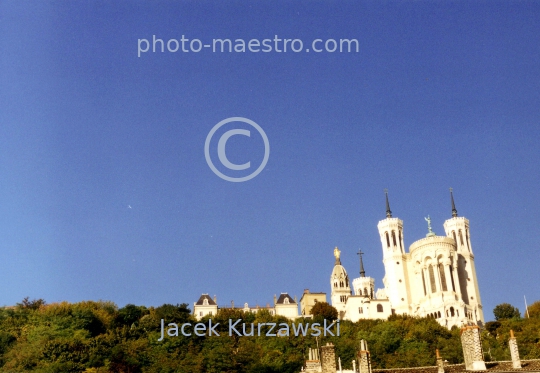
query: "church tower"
396, 279
457, 228
339, 283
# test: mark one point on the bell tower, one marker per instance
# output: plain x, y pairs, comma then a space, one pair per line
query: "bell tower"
396, 279
457, 228
339, 283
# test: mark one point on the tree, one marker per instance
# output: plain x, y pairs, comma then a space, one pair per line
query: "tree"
534, 310
325, 310
131, 314
506, 311
492, 327
34, 304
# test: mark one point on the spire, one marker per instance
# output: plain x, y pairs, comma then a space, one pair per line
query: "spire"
454, 211
388, 212
362, 271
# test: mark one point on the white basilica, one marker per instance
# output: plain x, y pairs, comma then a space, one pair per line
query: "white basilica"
435, 278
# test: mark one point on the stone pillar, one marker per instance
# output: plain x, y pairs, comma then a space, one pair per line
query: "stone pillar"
440, 362
427, 280
456, 278
354, 366
446, 268
472, 348
512, 343
364, 360
313, 363
328, 358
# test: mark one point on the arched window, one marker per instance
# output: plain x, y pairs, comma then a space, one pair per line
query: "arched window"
432, 278
461, 237
286, 301
452, 311
387, 240
205, 302
467, 239
365, 292
439, 314
400, 244
454, 234
394, 238
379, 308
360, 310
443, 277
335, 284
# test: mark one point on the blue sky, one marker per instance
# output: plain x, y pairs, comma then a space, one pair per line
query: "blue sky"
104, 188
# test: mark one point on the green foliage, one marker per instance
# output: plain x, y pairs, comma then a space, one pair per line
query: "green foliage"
131, 314
324, 310
100, 337
534, 310
506, 311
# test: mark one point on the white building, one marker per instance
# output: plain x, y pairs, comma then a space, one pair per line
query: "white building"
205, 306
361, 305
285, 306
435, 278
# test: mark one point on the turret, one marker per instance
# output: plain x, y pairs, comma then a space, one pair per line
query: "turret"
364, 286
396, 278
339, 283
457, 228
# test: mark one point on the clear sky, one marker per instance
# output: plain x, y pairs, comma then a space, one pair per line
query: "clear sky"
105, 192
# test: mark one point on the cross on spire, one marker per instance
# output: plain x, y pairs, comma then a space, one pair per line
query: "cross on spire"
362, 271
388, 212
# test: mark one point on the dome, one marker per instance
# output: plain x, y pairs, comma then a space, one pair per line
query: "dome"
339, 277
